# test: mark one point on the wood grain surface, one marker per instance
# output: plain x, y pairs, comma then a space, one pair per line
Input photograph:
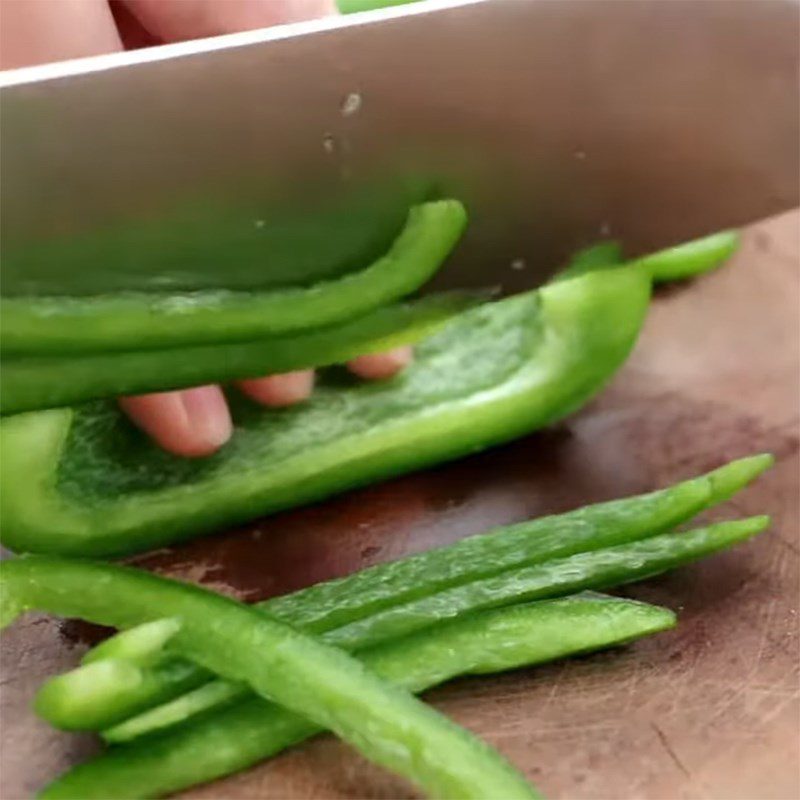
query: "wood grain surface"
710, 710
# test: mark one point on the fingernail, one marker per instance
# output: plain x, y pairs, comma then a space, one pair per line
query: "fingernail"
378, 366
207, 415
282, 390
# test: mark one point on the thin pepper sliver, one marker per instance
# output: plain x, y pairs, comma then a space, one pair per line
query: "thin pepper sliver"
312, 679
83, 481
236, 737
47, 325
86, 704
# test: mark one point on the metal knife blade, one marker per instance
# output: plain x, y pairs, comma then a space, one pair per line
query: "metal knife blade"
290, 154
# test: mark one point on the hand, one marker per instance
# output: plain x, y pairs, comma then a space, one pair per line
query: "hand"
192, 422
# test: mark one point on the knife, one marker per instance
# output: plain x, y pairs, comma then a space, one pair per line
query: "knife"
286, 155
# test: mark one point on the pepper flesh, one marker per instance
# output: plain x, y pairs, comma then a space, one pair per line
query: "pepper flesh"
46, 325
326, 606
84, 482
550, 383
310, 678
243, 734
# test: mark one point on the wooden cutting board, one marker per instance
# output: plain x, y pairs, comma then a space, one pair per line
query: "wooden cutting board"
709, 710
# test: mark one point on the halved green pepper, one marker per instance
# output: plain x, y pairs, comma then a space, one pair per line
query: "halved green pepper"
83, 481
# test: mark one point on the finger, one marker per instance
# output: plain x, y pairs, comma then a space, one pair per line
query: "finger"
191, 423
277, 391
177, 20
379, 366
41, 31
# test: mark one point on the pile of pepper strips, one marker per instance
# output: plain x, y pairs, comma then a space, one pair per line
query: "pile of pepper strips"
199, 686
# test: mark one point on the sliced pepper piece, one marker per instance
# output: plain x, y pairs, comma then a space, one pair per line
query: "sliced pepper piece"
31, 382
128, 321
86, 705
325, 685
251, 730
83, 481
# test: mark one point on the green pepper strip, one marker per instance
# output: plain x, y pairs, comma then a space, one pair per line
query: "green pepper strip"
596, 569
334, 603
86, 704
129, 664
249, 731
690, 259
492, 374
110, 689
329, 687
31, 383
48, 325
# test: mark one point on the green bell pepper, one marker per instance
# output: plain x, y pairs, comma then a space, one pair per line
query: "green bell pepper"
83, 481
315, 680
236, 737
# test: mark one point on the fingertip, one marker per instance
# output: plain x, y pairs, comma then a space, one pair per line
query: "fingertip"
279, 391
191, 423
379, 366
179, 20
